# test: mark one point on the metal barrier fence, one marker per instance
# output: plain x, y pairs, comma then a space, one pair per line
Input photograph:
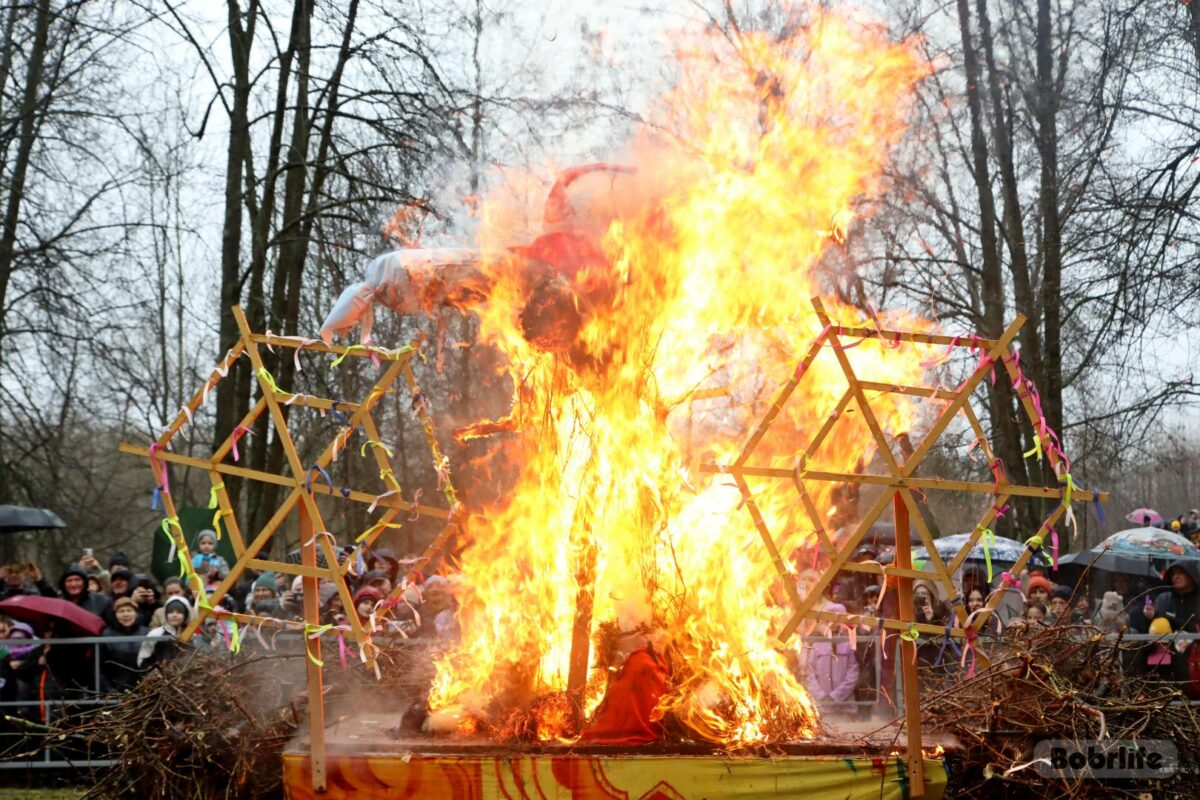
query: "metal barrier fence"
97, 698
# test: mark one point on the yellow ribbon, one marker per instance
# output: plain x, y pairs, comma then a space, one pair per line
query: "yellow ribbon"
1034, 542
377, 526
269, 379
235, 639
389, 477
912, 634
352, 348
216, 522
212, 495
988, 539
1069, 490
362, 451
1037, 448
313, 632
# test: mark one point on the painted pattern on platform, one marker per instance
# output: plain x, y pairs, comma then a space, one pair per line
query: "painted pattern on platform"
605, 778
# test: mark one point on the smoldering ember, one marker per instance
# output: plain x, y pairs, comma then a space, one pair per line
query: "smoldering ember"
493, 400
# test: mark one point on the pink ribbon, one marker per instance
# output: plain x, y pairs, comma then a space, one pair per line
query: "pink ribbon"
159, 467
238, 433
1054, 548
933, 362
971, 636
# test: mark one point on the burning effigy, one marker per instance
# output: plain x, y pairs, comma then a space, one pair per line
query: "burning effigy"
681, 272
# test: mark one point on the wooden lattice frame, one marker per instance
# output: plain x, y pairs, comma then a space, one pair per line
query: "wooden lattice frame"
899, 484
302, 484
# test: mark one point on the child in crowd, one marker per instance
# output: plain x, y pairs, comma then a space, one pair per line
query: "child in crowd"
206, 561
161, 644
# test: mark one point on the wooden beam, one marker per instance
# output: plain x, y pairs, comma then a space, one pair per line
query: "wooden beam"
908, 654
280, 480
936, 484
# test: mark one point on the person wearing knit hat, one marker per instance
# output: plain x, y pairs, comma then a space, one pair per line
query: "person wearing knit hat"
264, 587
365, 600
1059, 606
118, 660
161, 644
1039, 589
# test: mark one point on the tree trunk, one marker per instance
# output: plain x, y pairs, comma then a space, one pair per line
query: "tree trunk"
1005, 433
26, 140
1050, 385
233, 391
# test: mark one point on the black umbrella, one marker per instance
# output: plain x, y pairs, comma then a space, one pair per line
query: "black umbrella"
14, 519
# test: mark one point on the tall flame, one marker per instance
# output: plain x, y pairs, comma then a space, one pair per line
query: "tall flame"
698, 309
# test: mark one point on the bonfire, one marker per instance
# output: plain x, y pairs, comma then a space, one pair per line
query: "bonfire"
644, 326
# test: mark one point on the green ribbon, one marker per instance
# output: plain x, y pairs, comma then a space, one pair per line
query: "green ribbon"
988, 539
269, 379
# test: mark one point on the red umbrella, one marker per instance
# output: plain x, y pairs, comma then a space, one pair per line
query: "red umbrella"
38, 611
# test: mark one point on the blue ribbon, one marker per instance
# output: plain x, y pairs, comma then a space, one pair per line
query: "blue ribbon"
156, 500
308, 477
338, 415
1097, 504
947, 639
345, 490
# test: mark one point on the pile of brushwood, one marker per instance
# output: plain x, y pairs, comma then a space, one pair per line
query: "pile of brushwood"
209, 724
202, 725
1067, 683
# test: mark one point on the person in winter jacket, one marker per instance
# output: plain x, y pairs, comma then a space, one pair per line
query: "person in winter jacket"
832, 669
118, 664
206, 561
73, 586
1178, 604
162, 645
24, 578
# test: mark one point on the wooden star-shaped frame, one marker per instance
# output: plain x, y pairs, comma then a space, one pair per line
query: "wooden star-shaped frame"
899, 485
302, 482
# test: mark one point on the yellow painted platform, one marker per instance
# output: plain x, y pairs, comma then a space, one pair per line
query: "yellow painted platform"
492, 776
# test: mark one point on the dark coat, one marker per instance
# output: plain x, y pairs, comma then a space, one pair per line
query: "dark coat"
98, 604
1183, 610
119, 666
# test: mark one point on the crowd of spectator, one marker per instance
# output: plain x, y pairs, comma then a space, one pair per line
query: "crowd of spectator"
847, 672
144, 618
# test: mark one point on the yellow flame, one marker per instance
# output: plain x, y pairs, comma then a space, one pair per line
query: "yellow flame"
711, 260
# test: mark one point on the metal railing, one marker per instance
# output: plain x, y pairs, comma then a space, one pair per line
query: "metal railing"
95, 697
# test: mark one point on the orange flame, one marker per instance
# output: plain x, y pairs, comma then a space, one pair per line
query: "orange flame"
697, 311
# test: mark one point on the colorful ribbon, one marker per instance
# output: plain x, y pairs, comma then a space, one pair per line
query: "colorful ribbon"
213, 502
238, 433
939, 360
216, 521
159, 467
1054, 549
969, 647
269, 380
376, 527
362, 451
166, 528
308, 477
156, 500
988, 539
378, 497
1099, 507
333, 409
946, 639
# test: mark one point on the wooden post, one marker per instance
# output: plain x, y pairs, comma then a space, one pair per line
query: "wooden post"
908, 652
581, 630
316, 683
